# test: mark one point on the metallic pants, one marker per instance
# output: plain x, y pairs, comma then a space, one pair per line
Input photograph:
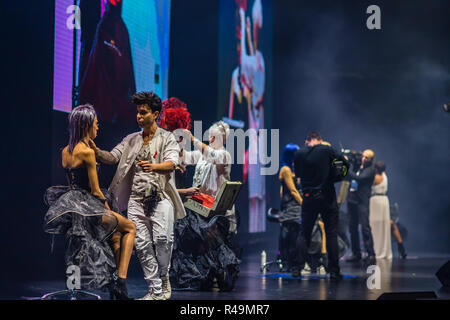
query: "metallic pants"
154, 240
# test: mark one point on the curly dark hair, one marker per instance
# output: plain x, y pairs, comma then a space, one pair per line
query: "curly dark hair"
148, 98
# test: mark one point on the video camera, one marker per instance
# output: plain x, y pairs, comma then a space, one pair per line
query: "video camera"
354, 157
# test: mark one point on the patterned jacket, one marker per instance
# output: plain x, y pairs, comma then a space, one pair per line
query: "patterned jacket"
164, 148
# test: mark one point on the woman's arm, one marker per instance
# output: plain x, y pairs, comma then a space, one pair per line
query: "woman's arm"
189, 191
281, 185
189, 158
202, 147
286, 175
88, 158
378, 179
197, 143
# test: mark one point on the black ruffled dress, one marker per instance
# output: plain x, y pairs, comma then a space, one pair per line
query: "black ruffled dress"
87, 224
204, 252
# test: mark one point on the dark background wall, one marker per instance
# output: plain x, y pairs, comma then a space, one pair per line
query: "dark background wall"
381, 89
26, 95
367, 89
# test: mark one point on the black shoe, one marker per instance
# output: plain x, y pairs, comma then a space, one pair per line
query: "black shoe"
401, 251
118, 290
336, 276
370, 260
296, 272
353, 259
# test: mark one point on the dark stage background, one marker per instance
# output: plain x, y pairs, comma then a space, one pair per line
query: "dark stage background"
381, 89
378, 89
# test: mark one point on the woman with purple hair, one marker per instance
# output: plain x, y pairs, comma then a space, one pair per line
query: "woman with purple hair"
100, 241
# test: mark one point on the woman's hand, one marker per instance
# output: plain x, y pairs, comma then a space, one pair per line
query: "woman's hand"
145, 165
192, 191
189, 134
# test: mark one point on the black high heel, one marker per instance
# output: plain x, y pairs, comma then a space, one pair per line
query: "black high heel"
118, 290
402, 251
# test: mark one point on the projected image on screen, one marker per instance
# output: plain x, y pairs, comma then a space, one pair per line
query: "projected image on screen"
244, 91
106, 50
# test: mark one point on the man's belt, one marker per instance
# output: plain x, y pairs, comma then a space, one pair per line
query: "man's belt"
312, 192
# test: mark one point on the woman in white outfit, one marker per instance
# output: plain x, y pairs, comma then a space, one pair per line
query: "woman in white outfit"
204, 251
380, 220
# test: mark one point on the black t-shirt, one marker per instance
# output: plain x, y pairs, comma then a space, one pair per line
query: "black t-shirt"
313, 164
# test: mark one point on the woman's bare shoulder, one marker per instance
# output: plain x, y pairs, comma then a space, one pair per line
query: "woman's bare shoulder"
80, 154
285, 171
84, 152
378, 179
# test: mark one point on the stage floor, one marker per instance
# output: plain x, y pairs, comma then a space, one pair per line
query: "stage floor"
413, 274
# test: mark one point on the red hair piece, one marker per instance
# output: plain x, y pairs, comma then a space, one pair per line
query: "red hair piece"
174, 115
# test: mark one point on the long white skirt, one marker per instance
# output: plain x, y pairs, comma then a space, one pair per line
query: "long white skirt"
380, 222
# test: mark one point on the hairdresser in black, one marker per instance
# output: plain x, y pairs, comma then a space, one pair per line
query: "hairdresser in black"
361, 177
313, 166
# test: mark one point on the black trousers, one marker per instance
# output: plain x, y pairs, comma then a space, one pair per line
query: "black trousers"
328, 209
359, 215
292, 245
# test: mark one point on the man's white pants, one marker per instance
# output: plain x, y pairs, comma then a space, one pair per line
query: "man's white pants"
154, 240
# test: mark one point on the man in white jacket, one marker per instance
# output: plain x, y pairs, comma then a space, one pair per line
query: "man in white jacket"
146, 160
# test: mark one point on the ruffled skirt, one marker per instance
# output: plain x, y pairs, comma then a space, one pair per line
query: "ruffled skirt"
88, 225
203, 252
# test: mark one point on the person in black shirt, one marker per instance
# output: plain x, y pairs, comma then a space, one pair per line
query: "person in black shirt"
313, 166
358, 206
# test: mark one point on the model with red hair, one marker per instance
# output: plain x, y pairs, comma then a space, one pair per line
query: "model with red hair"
199, 241
174, 115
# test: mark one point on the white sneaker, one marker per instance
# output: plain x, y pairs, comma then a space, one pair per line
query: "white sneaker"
306, 269
152, 296
322, 270
166, 288
148, 296
158, 296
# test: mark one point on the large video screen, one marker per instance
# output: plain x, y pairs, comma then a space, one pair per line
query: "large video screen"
245, 88
106, 50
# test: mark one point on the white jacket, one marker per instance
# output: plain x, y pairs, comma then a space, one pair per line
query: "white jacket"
165, 148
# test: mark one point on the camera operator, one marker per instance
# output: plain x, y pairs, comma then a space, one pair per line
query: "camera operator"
362, 177
313, 166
